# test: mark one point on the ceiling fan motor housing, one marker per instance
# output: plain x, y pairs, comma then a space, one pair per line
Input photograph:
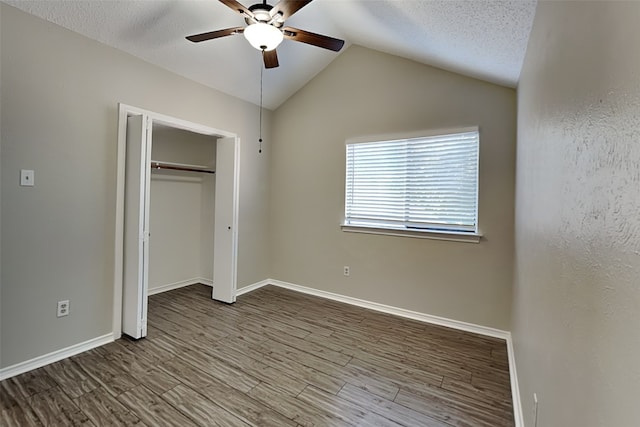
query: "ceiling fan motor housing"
261, 13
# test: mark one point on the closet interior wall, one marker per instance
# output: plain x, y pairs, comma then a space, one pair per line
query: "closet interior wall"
181, 217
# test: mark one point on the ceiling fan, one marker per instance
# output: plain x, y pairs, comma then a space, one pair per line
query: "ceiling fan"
265, 28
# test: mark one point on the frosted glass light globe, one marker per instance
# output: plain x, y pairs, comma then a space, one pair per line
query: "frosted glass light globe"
263, 36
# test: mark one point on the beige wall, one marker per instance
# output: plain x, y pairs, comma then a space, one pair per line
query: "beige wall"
364, 92
577, 276
175, 226
182, 209
59, 117
181, 146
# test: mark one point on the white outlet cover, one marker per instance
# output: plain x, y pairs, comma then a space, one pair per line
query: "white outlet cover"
63, 308
27, 178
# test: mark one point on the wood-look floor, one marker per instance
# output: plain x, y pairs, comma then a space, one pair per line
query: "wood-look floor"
274, 358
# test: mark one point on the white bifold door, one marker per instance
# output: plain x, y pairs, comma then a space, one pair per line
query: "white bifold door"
136, 227
136, 223
225, 245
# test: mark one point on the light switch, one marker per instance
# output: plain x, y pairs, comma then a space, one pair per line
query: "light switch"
27, 178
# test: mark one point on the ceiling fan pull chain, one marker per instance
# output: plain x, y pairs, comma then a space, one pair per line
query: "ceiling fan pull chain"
261, 72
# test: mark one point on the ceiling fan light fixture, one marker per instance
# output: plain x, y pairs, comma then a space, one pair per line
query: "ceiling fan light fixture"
263, 36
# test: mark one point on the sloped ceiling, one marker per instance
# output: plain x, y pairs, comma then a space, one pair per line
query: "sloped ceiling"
485, 39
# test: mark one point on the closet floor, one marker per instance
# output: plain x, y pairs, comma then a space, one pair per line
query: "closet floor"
274, 358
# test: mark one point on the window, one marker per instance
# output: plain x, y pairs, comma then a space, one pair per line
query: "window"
425, 184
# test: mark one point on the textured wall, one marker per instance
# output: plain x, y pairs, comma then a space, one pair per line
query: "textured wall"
59, 116
577, 277
361, 93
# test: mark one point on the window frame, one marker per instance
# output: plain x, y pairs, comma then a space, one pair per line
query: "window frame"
472, 236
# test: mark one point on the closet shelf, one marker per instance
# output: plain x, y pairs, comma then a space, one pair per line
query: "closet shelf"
180, 167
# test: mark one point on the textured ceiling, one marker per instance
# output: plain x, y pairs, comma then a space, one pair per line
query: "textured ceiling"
481, 38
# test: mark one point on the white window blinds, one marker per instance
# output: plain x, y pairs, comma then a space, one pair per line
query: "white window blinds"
427, 183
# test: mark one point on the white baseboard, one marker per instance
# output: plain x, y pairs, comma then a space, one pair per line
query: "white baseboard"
414, 315
252, 287
515, 387
178, 285
204, 281
40, 361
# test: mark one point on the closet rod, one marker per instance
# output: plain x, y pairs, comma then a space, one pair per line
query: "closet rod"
179, 167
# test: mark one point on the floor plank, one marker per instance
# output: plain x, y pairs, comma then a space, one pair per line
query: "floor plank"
351, 414
109, 376
201, 410
23, 386
273, 358
71, 378
105, 410
293, 408
54, 408
391, 410
19, 414
152, 409
244, 407
220, 370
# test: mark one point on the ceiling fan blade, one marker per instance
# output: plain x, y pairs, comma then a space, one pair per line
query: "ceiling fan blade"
234, 5
196, 38
270, 58
307, 37
288, 7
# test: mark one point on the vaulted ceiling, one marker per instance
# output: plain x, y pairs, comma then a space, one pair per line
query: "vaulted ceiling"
486, 39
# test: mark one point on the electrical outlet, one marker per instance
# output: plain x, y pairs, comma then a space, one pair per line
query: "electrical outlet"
27, 178
535, 409
63, 308
347, 271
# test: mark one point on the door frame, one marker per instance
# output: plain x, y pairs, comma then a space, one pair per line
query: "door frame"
124, 111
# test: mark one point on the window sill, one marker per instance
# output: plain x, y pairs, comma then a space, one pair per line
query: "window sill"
420, 234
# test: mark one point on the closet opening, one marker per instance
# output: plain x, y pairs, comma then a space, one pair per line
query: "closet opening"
182, 202
177, 212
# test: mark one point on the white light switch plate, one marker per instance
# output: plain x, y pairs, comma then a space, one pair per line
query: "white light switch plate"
27, 178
